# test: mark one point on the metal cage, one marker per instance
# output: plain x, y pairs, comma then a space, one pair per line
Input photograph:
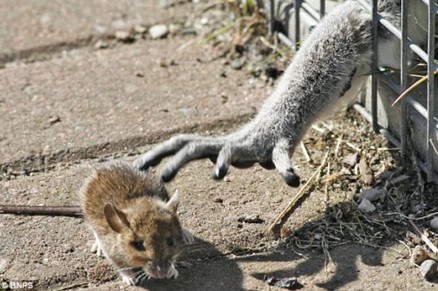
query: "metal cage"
409, 105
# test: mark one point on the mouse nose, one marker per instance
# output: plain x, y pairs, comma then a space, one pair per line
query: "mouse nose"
161, 272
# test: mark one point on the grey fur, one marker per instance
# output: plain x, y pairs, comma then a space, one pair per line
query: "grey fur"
331, 66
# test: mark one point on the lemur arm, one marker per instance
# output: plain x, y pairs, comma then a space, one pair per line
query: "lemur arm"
332, 60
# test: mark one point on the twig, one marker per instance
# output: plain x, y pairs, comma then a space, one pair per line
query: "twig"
352, 146
338, 144
74, 211
305, 152
318, 129
424, 238
282, 217
326, 196
424, 78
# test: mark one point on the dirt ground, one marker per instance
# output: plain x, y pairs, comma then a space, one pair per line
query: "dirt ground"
58, 123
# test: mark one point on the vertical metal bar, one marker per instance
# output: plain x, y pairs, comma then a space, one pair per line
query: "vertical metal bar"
403, 77
297, 7
321, 8
271, 16
430, 87
375, 23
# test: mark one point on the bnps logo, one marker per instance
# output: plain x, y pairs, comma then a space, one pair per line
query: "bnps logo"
17, 285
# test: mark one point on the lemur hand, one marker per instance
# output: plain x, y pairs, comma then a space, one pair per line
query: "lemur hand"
241, 149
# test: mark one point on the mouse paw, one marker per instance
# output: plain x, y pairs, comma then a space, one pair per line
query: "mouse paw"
128, 280
97, 249
187, 236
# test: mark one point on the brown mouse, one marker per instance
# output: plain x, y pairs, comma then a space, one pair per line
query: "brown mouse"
134, 222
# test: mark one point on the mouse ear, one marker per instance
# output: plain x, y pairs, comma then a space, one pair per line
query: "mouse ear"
173, 202
115, 218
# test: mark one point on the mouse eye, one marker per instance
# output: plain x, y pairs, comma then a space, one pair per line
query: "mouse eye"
170, 242
138, 245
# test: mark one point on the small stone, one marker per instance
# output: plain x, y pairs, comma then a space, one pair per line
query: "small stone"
418, 256
350, 160
162, 63
253, 218
429, 269
158, 31
434, 223
140, 29
122, 35
373, 194
237, 64
204, 20
100, 44
54, 119
366, 205
45, 261
174, 29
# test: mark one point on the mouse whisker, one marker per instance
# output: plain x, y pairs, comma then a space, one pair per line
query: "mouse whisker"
127, 268
144, 277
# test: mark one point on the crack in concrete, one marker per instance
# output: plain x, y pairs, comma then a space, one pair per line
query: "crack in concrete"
47, 52
39, 162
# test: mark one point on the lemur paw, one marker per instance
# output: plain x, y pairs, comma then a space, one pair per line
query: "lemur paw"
239, 150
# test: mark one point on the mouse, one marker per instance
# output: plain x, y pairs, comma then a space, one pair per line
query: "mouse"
134, 222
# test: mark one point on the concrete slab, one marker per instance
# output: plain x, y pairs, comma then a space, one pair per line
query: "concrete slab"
34, 27
62, 116
105, 100
54, 252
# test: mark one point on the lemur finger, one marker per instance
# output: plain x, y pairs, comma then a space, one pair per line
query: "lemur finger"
238, 156
281, 160
167, 148
223, 162
192, 151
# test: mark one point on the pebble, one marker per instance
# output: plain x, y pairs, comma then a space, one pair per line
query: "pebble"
140, 29
373, 194
366, 205
122, 35
101, 44
158, 31
350, 160
237, 64
434, 223
419, 255
252, 218
429, 269
54, 119
174, 28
